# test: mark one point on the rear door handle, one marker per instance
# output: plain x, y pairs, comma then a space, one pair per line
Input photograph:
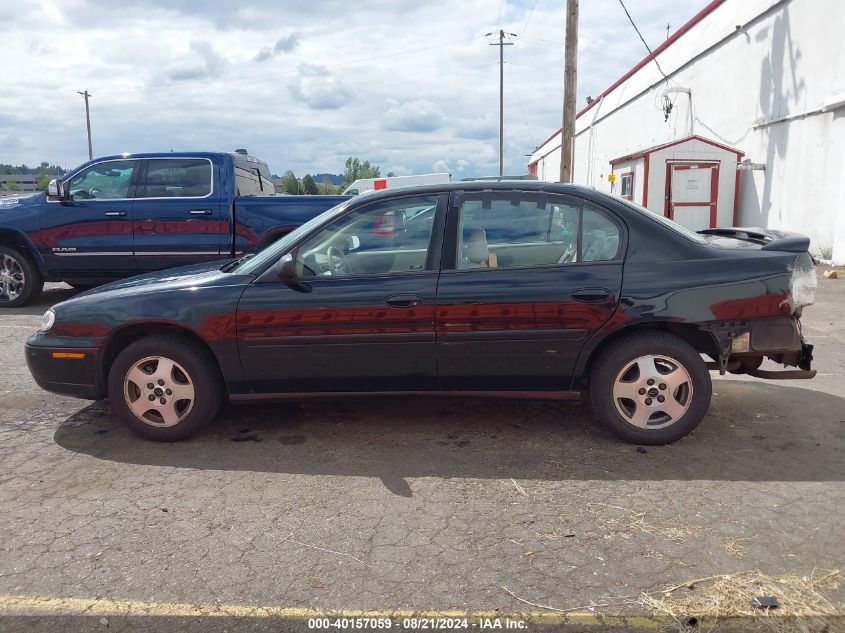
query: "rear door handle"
403, 301
115, 214
200, 211
592, 295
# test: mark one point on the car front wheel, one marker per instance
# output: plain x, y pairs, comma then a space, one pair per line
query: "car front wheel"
650, 388
20, 279
165, 388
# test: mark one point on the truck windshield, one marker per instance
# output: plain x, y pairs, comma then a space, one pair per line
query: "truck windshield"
277, 249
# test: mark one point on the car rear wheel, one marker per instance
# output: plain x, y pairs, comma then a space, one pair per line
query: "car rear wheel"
165, 388
20, 279
650, 388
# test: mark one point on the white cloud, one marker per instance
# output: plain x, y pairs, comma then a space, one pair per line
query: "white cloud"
203, 62
403, 87
286, 44
420, 115
319, 89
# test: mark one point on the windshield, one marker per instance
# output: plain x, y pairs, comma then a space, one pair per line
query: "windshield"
670, 224
277, 249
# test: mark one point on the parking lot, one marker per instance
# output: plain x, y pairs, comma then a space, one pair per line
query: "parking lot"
401, 506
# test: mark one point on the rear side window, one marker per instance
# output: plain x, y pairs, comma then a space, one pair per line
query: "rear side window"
250, 181
176, 178
504, 231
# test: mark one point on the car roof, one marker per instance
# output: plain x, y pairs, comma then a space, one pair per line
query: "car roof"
485, 185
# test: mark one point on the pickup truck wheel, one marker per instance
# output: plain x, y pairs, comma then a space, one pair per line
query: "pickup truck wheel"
20, 279
165, 388
650, 388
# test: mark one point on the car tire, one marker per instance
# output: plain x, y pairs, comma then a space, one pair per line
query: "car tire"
650, 388
20, 280
148, 377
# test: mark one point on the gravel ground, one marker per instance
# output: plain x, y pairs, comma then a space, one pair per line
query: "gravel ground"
397, 505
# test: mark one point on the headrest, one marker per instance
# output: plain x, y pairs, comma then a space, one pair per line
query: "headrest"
476, 249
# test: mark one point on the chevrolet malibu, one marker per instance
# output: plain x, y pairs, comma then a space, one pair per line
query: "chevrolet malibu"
471, 289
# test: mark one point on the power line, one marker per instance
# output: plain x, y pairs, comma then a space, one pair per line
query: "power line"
530, 15
642, 39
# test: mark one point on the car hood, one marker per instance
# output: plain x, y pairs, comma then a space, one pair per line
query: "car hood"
184, 277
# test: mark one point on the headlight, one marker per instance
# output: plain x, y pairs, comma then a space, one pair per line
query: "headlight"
47, 321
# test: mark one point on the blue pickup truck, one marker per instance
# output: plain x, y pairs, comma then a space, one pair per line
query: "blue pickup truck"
119, 216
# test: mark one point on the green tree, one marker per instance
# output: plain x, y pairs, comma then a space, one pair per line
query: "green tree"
327, 188
290, 184
355, 169
309, 187
391, 174
43, 182
12, 185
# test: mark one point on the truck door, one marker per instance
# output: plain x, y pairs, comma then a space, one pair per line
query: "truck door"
90, 233
177, 215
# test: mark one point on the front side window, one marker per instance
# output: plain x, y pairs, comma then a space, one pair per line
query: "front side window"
387, 237
503, 232
103, 181
177, 178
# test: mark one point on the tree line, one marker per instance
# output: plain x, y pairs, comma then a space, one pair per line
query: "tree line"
354, 169
45, 172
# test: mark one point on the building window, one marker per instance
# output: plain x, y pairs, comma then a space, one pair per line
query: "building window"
627, 184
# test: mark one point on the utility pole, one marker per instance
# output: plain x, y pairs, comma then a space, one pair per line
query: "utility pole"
86, 95
501, 44
570, 86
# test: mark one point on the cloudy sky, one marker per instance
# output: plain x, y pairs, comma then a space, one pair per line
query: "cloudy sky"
411, 86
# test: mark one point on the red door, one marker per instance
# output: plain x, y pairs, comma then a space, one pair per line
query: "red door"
691, 193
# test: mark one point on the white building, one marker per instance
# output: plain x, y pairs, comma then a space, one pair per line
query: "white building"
749, 128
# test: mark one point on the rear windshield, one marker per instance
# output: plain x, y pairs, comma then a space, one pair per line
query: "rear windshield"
670, 224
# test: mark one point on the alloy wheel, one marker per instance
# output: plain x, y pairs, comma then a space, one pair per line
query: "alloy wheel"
653, 391
159, 391
12, 278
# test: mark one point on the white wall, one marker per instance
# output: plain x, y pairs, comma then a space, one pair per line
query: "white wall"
784, 61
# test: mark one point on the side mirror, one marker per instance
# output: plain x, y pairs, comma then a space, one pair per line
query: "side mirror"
286, 271
286, 268
56, 189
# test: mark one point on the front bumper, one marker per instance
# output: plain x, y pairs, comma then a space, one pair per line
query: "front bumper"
66, 371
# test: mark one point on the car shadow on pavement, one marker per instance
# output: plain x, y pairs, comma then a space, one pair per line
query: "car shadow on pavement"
754, 431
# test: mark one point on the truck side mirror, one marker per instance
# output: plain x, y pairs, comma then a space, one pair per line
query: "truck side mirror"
286, 271
56, 189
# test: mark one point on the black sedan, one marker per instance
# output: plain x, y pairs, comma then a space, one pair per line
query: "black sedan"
484, 289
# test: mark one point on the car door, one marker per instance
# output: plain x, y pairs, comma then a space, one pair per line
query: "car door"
361, 316
527, 278
89, 234
178, 214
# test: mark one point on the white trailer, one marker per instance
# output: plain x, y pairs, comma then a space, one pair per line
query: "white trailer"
392, 182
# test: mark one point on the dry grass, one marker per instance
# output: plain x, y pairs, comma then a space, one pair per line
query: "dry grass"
730, 595
626, 520
735, 547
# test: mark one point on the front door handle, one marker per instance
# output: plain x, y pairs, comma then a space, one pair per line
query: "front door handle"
115, 214
200, 211
403, 301
591, 295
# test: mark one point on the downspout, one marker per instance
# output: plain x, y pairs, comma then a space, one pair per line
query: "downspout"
591, 144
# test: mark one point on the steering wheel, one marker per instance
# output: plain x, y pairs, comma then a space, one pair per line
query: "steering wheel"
568, 255
338, 263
